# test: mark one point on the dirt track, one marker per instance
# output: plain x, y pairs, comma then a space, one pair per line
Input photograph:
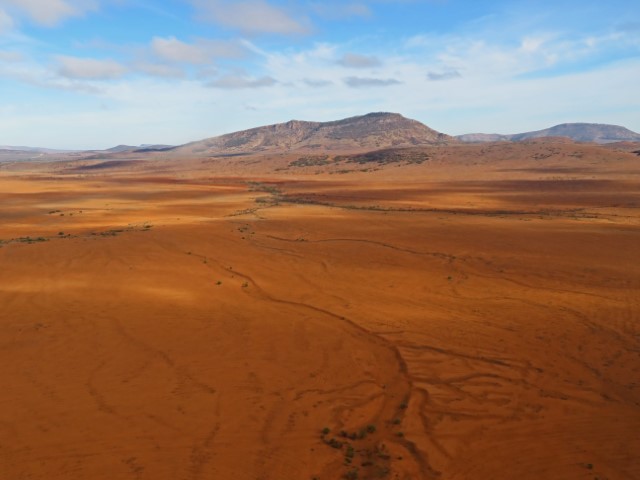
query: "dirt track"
477, 328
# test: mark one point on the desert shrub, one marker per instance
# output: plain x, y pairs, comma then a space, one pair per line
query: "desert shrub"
351, 474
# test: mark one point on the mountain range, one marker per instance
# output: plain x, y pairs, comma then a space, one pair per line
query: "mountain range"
578, 132
373, 131
10, 148
368, 132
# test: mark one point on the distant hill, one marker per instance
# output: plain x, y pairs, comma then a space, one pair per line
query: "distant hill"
371, 131
121, 148
140, 148
31, 149
578, 132
482, 137
583, 132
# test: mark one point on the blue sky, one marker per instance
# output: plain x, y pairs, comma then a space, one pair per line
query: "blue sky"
96, 73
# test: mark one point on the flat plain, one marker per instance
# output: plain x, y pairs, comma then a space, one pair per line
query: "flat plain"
455, 312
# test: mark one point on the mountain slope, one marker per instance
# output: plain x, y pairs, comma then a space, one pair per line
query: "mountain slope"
140, 148
578, 132
583, 132
371, 131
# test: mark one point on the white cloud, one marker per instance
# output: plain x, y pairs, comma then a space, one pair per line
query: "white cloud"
354, 60
6, 22
202, 52
531, 44
419, 41
89, 68
360, 82
25, 71
11, 56
174, 50
444, 75
234, 81
316, 83
341, 11
159, 70
51, 12
251, 16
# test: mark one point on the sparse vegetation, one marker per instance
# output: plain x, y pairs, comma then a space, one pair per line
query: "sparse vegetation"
386, 156
352, 474
263, 187
349, 454
31, 239
334, 443
273, 199
372, 454
311, 161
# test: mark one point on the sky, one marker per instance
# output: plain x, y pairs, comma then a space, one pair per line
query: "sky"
79, 74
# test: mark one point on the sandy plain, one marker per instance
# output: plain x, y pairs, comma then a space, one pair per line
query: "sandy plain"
472, 316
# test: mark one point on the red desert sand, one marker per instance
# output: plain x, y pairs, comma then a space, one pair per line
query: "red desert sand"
471, 315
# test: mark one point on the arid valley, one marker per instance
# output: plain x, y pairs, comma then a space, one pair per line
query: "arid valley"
448, 311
